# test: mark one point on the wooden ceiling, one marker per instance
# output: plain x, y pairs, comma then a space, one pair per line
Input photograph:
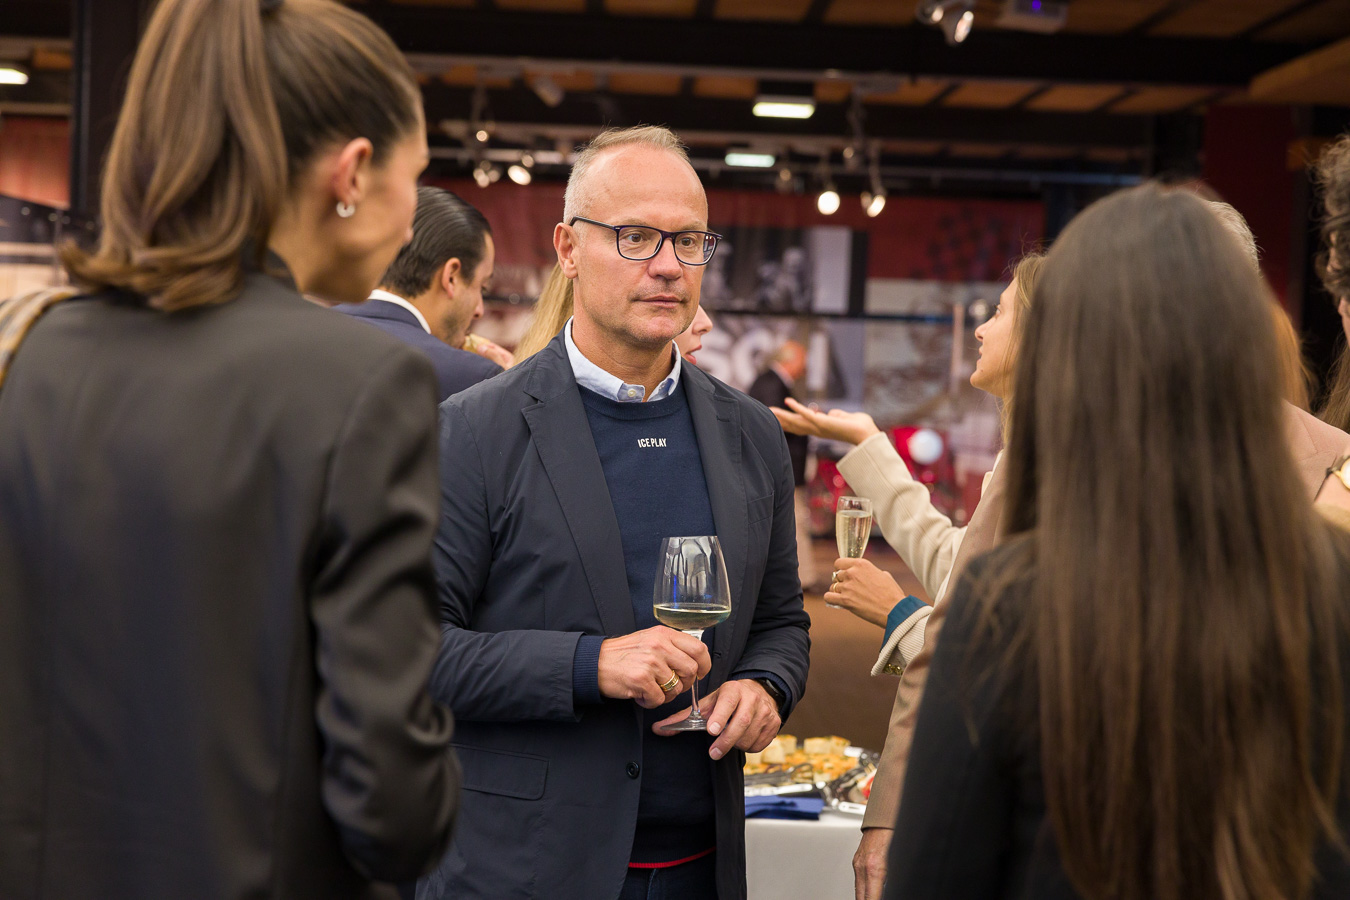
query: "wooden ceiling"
1262, 20
1087, 96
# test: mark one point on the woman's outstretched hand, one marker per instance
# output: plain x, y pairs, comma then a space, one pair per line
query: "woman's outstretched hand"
836, 425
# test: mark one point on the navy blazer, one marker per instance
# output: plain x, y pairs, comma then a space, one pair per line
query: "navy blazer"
456, 370
528, 559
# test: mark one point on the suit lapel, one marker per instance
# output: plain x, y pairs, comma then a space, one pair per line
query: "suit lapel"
562, 438
717, 425
1311, 460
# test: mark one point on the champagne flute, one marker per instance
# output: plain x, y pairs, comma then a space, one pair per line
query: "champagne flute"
691, 594
852, 528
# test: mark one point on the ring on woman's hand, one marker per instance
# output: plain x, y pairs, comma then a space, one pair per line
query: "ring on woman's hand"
670, 684
834, 578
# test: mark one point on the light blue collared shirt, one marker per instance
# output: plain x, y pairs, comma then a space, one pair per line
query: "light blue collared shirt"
594, 378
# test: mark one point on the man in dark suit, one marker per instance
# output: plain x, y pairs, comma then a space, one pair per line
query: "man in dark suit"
560, 479
773, 386
433, 291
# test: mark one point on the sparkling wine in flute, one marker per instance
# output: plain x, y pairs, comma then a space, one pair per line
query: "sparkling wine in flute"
852, 528
691, 616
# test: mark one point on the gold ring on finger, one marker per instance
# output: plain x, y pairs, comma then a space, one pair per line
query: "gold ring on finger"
669, 684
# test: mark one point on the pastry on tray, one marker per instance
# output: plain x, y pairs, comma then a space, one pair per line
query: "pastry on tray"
826, 757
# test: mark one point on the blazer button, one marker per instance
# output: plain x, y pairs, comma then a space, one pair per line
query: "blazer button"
634, 770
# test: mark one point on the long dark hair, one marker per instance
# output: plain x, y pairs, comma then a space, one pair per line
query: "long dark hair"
226, 102
1336, 408
1186, 621
1333, 179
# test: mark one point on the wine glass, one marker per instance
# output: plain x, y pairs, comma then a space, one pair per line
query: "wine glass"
691, 594
852, 528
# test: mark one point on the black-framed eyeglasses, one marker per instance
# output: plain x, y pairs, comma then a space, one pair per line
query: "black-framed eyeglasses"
641, 242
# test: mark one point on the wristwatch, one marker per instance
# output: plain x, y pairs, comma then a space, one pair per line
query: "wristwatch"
1341, 469
778, 697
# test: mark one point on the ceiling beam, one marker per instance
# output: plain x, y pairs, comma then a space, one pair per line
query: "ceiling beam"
1283, 15
36, 18
733, 117
1162, 15
1322, 77
816, 48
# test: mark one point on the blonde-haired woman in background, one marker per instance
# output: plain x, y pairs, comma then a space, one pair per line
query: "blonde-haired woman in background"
554, 308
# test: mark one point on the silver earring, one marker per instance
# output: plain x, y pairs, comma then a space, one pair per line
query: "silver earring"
346, 210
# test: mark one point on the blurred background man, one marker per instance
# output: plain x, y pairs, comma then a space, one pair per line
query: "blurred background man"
774, 385
433, 292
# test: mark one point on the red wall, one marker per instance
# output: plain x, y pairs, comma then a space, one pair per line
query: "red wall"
35, 159
914, 237
1246, 162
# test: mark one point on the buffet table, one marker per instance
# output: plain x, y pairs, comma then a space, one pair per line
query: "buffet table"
789, 859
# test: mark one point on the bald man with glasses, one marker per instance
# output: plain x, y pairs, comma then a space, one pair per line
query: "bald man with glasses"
560, 480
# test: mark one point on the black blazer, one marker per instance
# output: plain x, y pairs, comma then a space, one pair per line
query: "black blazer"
455, 369
771, 390
216, 609
973, 822
528, 560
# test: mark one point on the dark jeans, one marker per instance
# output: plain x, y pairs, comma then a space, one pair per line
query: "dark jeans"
695, 880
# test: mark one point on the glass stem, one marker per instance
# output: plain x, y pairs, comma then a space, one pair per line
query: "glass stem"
695, 715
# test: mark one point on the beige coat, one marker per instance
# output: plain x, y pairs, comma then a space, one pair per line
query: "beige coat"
1315, 446
926, 540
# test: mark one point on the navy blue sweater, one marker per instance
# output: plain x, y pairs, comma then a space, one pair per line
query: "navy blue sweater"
650, 455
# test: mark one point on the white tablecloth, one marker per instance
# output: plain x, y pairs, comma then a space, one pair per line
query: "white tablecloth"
792, 859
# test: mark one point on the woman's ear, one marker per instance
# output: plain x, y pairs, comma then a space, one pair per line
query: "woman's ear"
351, 172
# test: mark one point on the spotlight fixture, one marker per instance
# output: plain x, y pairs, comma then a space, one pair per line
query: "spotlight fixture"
482, 135
480, 174
547, 90
930, 12
957, 28
746, 159
954, 17
874, 201
519, 174
828, 201
13, 73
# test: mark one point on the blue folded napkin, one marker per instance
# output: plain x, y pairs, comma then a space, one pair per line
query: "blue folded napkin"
783, 807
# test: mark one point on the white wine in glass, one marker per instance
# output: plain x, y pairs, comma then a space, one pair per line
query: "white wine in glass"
691, 594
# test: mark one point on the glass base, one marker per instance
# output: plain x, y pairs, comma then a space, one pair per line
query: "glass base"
695, 721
